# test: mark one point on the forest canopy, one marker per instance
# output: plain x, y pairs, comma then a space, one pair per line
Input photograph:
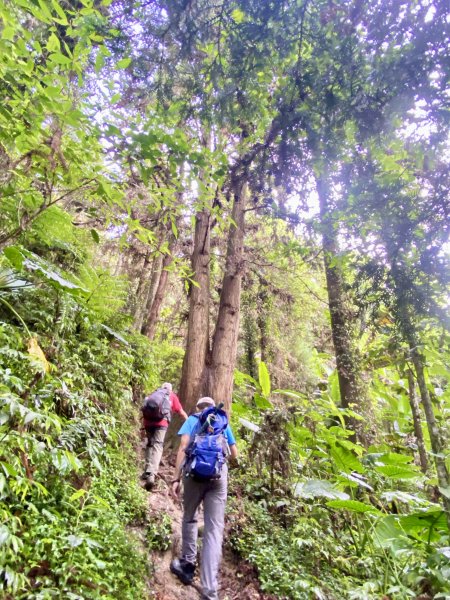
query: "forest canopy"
248, 198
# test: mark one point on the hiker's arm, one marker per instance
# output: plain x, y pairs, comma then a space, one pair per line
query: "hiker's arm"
176, 485
176, 407
181, 456
233, 452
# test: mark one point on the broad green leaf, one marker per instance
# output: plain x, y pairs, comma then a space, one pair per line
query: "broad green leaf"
395, 472
241, 378
392, 458
345, 460
445, 491
434, 518
318, 488
74, 540
353, 506
262, 402
387, 533
357, 479
249, 425
115, 334
264, 379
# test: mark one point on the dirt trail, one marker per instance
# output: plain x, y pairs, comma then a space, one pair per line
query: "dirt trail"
237, 580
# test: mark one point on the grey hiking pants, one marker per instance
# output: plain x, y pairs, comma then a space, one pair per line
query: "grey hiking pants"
154, 449
213, 494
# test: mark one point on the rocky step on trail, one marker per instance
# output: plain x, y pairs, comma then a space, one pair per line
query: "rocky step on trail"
237, 578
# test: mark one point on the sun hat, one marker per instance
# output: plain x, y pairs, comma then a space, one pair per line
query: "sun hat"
205, 400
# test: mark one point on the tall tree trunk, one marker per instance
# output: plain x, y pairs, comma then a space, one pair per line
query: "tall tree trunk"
352, 390
197, 340
220, 367
151, 321
415, 410
151, 291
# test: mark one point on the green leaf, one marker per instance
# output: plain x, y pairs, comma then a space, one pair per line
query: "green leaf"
353, 506
387, 531
53, 43
78, 494
395, 472
434, 518
316, 488
345, 460
8, 33
264, 379
115, 334
62, 15
445, 491
123, 63
95, 236
249, 425
262, 402
238, 15
392, 458
74, 540
25, 259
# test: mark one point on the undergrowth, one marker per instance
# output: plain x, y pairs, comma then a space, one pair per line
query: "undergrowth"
69, 488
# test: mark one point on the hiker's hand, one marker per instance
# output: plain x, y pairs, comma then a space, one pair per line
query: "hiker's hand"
234, 463
176, 489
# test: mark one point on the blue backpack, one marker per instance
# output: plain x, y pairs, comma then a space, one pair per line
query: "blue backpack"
205, 454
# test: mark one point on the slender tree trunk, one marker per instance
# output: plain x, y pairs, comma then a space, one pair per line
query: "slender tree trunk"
406, 322
352, 390
263, 316
154, 280
416, 422
437, 444
219, 371
250, 344
151, 322
141, 292
198, 325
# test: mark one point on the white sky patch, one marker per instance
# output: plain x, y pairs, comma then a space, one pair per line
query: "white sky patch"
430, 14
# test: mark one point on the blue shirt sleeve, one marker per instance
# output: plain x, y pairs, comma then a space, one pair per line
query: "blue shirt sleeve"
188, 426
229, 435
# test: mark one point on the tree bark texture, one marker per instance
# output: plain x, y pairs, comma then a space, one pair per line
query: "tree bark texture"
141, 292
351, 387
151, 322
219, 371
415, 410
197, 341
151, 291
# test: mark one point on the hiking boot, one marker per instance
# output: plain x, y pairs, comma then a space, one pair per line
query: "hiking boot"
150, 481
183, 570
144, 475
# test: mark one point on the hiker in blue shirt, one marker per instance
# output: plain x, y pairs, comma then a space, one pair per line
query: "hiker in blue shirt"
213, 494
